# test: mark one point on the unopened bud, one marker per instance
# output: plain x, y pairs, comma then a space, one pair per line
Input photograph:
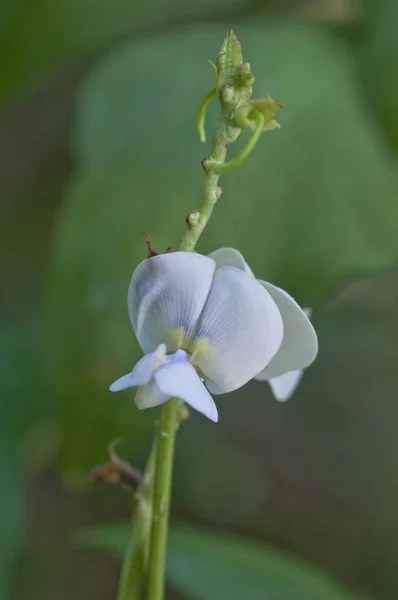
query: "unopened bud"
228, 61
193, 218
267, 106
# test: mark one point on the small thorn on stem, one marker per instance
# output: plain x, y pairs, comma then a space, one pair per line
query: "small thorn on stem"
148, 243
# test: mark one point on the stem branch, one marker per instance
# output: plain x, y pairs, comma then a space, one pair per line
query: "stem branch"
235, 162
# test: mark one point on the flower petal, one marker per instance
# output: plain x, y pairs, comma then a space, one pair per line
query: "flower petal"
148, 396
178, 379
229, 257
140, 375
285, 385
300, 344
244, 329
168, 292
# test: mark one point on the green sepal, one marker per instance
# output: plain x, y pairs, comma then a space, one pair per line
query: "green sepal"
244, 116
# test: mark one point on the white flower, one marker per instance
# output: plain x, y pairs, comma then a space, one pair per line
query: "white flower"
220, 326
300, 345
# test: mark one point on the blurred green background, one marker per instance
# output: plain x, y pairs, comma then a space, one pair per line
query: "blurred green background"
98, 100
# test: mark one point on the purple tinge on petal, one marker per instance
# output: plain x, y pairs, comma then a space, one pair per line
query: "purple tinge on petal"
140, 375
180, 380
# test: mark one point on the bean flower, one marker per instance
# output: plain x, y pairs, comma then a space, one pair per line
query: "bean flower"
299, 346
207, 326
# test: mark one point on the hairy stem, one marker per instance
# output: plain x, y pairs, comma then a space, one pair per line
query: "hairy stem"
235, 162
225, 134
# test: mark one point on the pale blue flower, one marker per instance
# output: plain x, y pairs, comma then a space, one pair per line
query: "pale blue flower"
205, 329
299, 346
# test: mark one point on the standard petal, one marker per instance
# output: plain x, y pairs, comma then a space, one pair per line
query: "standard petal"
229, 257
300, 344
285, 385
243, 327
166, 296
148, 396
179, 379
140, 375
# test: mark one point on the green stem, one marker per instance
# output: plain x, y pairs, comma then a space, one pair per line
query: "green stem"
137, 552
161, 501
233, 87
224, 135
235, 162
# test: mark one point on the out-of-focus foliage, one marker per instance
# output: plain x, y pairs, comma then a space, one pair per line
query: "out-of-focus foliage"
210, 566
13, 527
41, 37
110, 149
380, 65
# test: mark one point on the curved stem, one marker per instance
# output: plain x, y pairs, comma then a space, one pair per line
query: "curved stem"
227, 166
200, 122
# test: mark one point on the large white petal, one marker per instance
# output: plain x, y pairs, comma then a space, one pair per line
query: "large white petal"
229, 257
140, 375
244, 328
300, 344
178, 379
168, 292
148, 396
284, 386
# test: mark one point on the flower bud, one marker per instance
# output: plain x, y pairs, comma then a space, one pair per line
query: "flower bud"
267, 106
232, 73
193, 218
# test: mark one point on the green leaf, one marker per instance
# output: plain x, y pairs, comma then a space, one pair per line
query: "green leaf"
212, 566
111, 538
208, 565
379, 61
